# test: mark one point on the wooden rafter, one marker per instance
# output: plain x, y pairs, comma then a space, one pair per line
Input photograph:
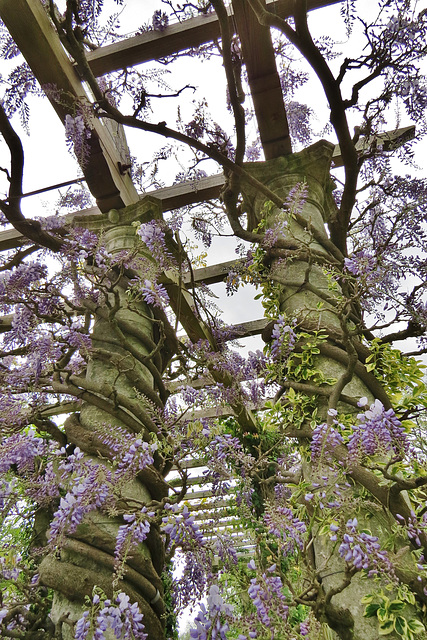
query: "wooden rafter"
194, 32
35, 36
264, 81
209, 188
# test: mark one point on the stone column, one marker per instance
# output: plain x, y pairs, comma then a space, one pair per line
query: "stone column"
307, 299
119, 371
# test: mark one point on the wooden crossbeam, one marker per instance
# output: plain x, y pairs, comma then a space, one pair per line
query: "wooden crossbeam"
171, 198
194, 32
209, 188
36, 38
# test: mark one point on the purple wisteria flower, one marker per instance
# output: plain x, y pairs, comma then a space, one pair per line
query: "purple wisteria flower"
181, 527
21, 279
304, 628
130, 534
413, 526
363, 551
21, 449
378, 432
84, 242
122, 618
282, 523
10, 566
212, 622
362, 264
325, 437
191, 587
267, 595
154, 294
298, 116
283, 340
77, 135
160, 20
86, 493
152, 235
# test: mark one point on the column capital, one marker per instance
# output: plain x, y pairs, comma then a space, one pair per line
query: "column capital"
311, 166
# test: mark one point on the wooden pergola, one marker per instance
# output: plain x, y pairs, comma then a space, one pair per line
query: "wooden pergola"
105, 170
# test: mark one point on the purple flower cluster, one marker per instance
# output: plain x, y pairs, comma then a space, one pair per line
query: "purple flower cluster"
136, 456
379, 432
363, 264
253, 151
160, 20
133, 453
412, 526
268, 596
122, 618
77, 135
10, 566
362, 550
298, 116
154, 294
226, 550
7, 491
297, 198
20, 279
20, 450
192, 584
88, 492
282, 523
325, 437
181, 527
210, 622
81, 243
152, 235
283, 340
130, 534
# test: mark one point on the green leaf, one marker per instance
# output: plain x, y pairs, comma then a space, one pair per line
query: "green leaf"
371, 610
415, 626
386, 628
395, 606
401, 625
324, 530
368, 598
382, 614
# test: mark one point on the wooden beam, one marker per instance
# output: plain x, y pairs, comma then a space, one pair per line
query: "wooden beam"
264, 82
36, 38
387, 141
174, 197
194, 32
209, 188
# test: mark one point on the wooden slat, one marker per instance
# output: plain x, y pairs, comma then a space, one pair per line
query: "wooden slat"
190, 482
171, 198
387, 141
264, 82
205, 505
209, 188
35, 36
194, 32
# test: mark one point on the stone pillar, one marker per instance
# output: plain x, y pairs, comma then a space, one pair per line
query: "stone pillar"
121, 343
307, 299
